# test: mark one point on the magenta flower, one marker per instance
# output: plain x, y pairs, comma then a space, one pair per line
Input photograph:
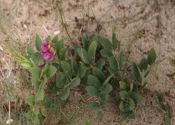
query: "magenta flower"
48, 52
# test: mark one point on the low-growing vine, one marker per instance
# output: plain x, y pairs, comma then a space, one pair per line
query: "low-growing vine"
98, 65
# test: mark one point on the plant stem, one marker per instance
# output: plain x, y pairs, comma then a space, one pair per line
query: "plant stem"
62, 21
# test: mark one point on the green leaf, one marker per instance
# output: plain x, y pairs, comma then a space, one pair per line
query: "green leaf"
108, 79
131, 104
38, 42
59, 44
30, 51
35, 72
60, 50
74, 65
47, 102
115, 42
26, 65
35, 57
40, 92
51, 71
92, 91
93, 81
92, 51
62, 54
127, 106
85, 41
104, 98
83, 55
60, 80
123, 95
106, 53
123, 106
97, 72
66, 67
136, 97
100, 64
30, 100
107, 88
82, 70
113, 63
136, 72
143, 64
123, 85
75, 82
105, 42
65, 93
122, 59
151, 56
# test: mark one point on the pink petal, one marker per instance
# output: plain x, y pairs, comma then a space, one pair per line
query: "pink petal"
45, 46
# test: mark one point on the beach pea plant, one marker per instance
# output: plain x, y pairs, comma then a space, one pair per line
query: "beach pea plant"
53, 75
97, 78
98, 66
130, 88
111, 70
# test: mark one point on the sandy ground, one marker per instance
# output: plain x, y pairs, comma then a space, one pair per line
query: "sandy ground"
143, 24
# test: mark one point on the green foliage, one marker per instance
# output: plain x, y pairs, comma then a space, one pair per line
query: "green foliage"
115, 42
113, 64
92, 52
60, 49
106, 53
98, 65
104, 42
141, 70
130, 89
99, 89
62, 70
51, 70
130, 96
36, 56
40, 92
35, 73
83, 55
21, 59
97, 72
92, 91
75, 82
97, 83
137, 73
65, 93
30, 100
94, 81
38, 42
151, 56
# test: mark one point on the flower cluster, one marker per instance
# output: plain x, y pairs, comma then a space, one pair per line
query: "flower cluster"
47, 50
